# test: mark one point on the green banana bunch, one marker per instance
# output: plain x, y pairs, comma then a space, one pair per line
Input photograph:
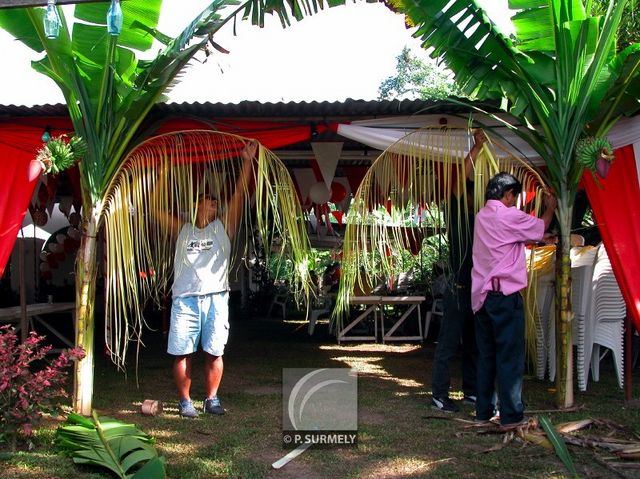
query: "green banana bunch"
589, 150
58, 154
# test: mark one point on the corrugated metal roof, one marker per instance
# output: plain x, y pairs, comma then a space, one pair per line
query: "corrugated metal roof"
294, 156
254, 109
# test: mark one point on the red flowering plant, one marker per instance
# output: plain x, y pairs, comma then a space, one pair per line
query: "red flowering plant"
30, 385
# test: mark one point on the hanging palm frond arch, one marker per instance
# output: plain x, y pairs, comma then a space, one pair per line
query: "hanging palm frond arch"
405, 185
167, 173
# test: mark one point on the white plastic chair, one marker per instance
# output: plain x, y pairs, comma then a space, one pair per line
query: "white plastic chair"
323, 304
543, 319
582, 265
545, 339
609, 311
279, 300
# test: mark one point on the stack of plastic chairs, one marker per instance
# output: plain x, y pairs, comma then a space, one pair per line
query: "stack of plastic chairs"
541, 311
582, 264
609, 312
545, 329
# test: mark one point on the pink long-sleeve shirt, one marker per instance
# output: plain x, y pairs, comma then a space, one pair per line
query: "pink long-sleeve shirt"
499, 237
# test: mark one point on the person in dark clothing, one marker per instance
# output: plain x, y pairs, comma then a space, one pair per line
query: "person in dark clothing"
457, 323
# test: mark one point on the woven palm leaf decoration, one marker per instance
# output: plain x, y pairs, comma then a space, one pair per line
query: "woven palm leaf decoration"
168, 173
409, 180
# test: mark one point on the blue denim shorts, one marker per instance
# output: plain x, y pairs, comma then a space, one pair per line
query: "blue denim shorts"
199, 319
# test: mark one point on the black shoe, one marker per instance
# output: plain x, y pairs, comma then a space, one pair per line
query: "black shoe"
468, 399
444, 404
212, 406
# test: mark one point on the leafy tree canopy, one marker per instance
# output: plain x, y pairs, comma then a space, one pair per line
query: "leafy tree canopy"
415, 78
629, 29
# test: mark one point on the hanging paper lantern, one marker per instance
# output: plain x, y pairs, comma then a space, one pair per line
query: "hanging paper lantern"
338, 192
319, 193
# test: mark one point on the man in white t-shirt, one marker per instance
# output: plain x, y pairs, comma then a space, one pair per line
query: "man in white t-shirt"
200, 306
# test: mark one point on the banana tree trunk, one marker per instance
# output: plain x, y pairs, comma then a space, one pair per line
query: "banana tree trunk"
86, 271
564, 313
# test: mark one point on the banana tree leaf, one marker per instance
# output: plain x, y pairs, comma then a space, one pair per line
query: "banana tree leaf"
100, 459
479, 65
126, 65
558, 444
17, 22
74, 418
621, 97
154, 469
138, 457
161, 37
146, 12
90, 49
594, 82
534, 29
114, 445
90, 43
536, 25
542, 68
283, 8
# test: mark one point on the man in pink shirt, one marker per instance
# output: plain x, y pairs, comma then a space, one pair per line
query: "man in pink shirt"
499, 273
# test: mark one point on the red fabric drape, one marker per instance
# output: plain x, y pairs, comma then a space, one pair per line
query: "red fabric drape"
21, 138
616, 207
14, 197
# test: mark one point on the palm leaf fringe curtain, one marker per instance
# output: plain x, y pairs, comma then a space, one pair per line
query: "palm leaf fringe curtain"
168, 173
406, 185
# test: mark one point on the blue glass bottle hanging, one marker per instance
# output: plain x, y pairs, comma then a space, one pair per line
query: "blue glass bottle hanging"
114, 18
51, 20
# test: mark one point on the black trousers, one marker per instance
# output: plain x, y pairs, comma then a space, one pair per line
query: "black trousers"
500, 339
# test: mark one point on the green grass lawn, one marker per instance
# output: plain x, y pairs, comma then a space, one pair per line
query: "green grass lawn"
399, 435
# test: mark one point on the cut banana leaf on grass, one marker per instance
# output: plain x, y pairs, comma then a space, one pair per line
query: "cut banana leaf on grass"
122, 448
558, 444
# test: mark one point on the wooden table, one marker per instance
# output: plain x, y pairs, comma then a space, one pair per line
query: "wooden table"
34, 314
414, 303
371, 303
375, 306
